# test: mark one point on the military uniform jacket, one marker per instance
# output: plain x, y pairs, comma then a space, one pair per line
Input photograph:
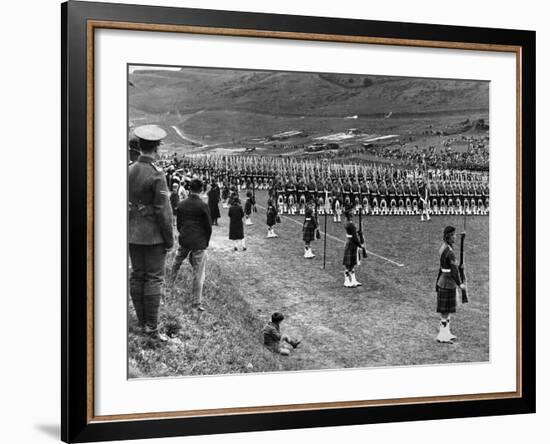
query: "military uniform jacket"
448, 276
150, 212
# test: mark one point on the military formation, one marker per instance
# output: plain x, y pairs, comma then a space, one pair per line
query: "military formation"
372, 189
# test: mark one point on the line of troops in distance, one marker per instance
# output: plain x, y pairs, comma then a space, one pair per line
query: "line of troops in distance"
366, 194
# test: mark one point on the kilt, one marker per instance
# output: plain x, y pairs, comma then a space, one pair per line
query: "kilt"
446, 300
350, 254
309, 231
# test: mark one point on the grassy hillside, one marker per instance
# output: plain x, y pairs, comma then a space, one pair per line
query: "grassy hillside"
193, 89
199, 106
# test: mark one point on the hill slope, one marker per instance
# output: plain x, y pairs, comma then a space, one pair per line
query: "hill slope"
289, 93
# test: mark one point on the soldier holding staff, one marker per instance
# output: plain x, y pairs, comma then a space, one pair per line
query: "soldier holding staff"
448, 280
308, 230
351, 250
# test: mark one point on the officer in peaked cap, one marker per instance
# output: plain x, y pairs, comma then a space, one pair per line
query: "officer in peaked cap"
150, 232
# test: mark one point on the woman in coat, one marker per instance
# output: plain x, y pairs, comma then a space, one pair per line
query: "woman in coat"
308, 230
236, 228
213, 201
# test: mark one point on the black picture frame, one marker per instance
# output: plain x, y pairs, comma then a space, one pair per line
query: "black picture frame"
77, 422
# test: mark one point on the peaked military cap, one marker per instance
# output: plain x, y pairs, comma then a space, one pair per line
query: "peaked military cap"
152, 133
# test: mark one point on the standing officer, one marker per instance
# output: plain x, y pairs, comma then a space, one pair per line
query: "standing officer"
150, 232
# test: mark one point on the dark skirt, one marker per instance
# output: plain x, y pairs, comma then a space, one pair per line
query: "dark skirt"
236, 229
446, 300
350, 255
214, 209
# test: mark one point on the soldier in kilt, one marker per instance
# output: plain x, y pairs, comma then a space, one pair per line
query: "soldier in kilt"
272, 217
308, 230
448, 280
351, 251
248, 206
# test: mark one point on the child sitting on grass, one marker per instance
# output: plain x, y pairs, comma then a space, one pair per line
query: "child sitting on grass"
274, 340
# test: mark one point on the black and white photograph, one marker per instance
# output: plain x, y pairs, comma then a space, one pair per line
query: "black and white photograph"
284, 221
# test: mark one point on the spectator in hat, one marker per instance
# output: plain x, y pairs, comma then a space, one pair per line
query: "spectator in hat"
195, 228
150, 231
236, 228
274, 340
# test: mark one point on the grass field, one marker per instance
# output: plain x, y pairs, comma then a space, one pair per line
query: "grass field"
389, 321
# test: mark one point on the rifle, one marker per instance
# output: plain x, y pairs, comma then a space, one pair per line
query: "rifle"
360, 234
461, 268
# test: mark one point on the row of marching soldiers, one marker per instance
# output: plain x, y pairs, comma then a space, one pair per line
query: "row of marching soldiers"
405, 198
375, 193
370, 197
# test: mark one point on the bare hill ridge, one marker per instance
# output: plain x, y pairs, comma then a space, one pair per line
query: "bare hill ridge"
289, 93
